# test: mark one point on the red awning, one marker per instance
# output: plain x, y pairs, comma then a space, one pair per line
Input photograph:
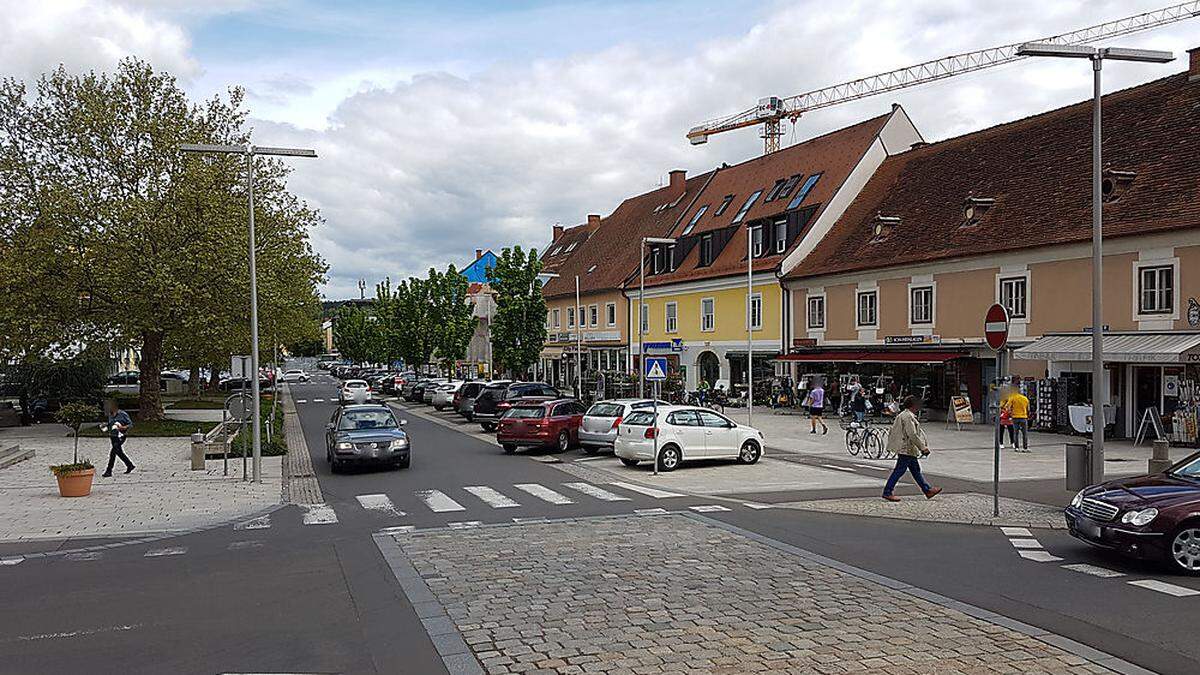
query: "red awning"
874, 357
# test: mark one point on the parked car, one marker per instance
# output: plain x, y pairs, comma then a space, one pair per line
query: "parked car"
464, 398
354, 391
395, 383
443, 395
406, 390
685, 433
418, 392
124, 382
294, 376
1153, 517
541, 424
599, 429
366, 434
237, 383
498, 397
430, 387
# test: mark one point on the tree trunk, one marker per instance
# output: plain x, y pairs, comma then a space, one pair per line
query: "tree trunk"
150, 368
214, 378
194, 381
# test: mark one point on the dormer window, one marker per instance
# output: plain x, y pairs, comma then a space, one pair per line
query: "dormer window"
974, 208
882, 227
1115, 183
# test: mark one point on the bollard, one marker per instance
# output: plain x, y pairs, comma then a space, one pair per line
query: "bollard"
197, 451
1161, 459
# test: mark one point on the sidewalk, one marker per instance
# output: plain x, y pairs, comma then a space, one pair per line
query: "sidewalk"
161, 495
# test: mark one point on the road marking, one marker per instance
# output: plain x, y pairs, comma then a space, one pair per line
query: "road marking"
398, 529
708, 508
464, 525
1016, 532
319, 514
318, 400
648, 512
590, 459
1039, 556
597, 492
77, 633
241, 545
1162, 587
8, 562
260, 523
84, 555
301, 400
535, 519
1093, 570
872, 466
758, 507
159, 552
648, 491
544, 493
1025, 543
491, 497
438, 501
838, 468
378, 502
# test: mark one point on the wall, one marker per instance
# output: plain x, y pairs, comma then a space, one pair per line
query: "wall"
587, 300
730, 313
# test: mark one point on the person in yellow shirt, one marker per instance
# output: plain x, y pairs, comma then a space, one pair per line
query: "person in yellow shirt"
1017, 405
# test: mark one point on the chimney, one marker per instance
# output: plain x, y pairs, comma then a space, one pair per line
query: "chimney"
1194, 64
478, 253
678, 182
558, 230
593, 221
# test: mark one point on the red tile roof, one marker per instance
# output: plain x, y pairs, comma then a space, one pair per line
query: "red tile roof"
1038, 171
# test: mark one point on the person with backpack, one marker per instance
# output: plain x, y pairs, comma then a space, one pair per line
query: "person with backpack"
118, 424
907, 441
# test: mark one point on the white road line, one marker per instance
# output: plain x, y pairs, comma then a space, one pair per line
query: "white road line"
649, 512
464, 525
318, 400
1093, 570
301, 400
708, 508
838, 468
872, 466
438, 501
378, 502
648, 491
77, 633
758, 507
597, 492
535, 519
1163, 587
319, 514
491, 497
260, 523
1039, 556
160, 552
544, 493
1015, 532
398, 529
1025, 543
15, 560
84, 555
241, 545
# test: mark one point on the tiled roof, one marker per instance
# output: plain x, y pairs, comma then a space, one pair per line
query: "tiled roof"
613, 249
562, 249
1038, 171
831, 156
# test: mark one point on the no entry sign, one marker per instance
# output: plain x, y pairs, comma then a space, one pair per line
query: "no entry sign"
995, 327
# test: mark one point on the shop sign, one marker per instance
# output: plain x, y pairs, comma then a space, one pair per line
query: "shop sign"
1088, 329
962, 409
912, 340
803, 342
1193, 313
674, 345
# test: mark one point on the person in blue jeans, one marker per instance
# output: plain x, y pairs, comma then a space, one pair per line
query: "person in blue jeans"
117, 424
907, 442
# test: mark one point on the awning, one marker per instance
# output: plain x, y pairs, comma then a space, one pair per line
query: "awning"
874, 357
1118, 347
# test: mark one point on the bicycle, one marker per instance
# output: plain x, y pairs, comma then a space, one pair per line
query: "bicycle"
858, 436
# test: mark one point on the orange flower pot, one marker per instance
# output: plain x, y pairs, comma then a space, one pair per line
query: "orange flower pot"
76, 483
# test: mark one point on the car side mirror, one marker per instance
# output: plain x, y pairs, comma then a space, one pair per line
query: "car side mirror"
329, 426
403, 422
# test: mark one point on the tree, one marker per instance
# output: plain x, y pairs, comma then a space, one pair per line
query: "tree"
519, 325
355, 334
455, 317
75, 415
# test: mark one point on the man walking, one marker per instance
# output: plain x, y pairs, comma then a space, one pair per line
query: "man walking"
908, 443
118, 424
1018, 410
816, 406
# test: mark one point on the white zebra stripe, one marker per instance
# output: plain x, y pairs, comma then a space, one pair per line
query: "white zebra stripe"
648, 491
159, 552
491, 497
319, 514
378, 502
544, 493
438, 501
597, 492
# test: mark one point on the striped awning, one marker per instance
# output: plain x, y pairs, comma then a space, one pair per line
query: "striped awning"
1118, 347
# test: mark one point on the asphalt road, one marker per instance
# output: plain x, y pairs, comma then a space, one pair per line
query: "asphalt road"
318, 598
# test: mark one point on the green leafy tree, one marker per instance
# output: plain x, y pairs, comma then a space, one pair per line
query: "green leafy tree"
355, 334
519, 325
455, 319
75, 415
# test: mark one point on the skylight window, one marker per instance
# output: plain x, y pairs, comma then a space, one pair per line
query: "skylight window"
775, 190
808, 185
556, 250
724, 205
591, 269
746, 207
789, 186
572, 246
695, 219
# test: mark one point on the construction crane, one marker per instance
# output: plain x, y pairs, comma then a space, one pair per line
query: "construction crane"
772, 110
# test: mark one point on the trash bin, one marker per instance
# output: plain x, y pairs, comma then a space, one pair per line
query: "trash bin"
1079, 466
198, 451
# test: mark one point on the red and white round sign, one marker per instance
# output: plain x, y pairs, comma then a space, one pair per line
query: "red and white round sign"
995, 327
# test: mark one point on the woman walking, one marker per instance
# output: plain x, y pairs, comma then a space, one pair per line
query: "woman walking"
908, 443
118, 423
816, 406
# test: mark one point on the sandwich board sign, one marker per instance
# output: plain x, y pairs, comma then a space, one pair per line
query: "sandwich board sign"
656, 368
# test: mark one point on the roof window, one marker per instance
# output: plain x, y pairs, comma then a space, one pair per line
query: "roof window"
882, 227
775, 190
695, 219
591, 269
789, 186
974, 209
556, 250
571, 247
1115, 183
746, 207
803, 192
724, 205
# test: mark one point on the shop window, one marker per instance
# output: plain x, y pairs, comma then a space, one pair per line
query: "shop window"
696, 218
868, 309
557, 319
1156, 289
816, 312
1014, 296
708, 314
756, 311
724, 205
672, 318
610, 312
921, 304
746, 206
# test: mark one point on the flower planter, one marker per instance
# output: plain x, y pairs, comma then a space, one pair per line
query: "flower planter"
76, 483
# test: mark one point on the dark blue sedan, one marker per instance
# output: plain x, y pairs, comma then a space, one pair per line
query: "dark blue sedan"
365, 434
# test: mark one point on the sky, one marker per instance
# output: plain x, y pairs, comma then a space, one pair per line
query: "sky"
450, 126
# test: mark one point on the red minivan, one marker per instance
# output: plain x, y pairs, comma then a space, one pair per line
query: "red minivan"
541, 424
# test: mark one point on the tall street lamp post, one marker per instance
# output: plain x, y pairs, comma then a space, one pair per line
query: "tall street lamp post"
749, 324
1097, 55
543, 277
250, 151
641, 305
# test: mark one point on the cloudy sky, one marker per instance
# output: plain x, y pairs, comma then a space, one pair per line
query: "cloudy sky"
449, 126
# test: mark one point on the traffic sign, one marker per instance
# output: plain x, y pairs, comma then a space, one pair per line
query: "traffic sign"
656, 368
995, 327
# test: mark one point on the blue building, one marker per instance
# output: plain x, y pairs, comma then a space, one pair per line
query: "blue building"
480, 271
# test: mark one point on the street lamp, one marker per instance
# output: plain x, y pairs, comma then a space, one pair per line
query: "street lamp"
542, 277
250, 151
641, 304
750, 323
1097, 55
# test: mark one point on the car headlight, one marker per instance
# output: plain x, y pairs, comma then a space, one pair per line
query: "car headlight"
1140, 518
1078, 499
344, 446
398, 444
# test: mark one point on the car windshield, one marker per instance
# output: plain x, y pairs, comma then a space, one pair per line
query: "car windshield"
640, 419
353, 384
606, 410
366, 419
526, 413
1189, 470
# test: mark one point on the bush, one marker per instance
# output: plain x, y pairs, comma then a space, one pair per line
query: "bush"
62, 469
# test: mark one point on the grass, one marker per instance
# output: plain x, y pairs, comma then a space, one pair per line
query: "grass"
197, 404
155, 428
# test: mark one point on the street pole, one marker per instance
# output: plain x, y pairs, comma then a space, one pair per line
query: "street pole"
1097, 468
578, 344
998, 434
641, 349
749, 325
257, 461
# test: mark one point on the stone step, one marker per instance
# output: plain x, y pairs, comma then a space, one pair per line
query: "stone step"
13, 454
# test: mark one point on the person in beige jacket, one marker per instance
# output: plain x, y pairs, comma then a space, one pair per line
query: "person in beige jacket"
907, 442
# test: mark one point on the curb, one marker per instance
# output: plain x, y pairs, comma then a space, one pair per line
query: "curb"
300, 484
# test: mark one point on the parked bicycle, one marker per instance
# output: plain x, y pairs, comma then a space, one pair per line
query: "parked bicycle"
861, 437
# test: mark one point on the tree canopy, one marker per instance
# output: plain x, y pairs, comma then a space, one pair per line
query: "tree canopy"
519, 326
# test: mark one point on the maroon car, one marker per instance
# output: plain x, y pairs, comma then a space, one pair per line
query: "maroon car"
1155, 517
541, 424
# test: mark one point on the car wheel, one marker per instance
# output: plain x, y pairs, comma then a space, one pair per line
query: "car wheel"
509, 448
749, 453
564, 441
488, 426
629, 462
1183, 552
669, 458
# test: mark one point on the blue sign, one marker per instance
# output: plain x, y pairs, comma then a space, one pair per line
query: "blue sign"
675, 345
656, 368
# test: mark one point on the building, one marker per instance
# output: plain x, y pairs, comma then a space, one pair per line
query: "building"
483, 307
695, 308
897, 289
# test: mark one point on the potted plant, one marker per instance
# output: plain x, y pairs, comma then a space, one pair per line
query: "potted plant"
75, 479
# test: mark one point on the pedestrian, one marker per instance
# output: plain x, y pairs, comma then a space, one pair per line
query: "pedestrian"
816, 406
1018, 412
907, 441
117, 427
858, 405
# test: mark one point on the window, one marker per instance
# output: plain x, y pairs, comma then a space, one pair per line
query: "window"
712, 419
756, 311
808, 185
1013, 295
789, 186
645, 319
920, 304
672, 317
695, 219
868, 308
816, 312
746, 207
708, 318
780, 235
557, 318
572, 246
547, 318
706, 250
591, 269
594, 315
775, 190
656, 256
610, 313
684, 418
570, 317
756, 240
670, 258
724, 205
1156, 289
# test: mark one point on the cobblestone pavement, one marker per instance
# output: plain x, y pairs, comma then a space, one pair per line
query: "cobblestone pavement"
970, 508
655, 594
299, 479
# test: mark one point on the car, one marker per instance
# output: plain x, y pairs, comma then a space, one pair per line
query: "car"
294, 376
443, 395
430, 387
498, 397
540, 424
354, 391
366, 434
685, 433
464, 398
1155, 517
394, 384
124, 382
599, 429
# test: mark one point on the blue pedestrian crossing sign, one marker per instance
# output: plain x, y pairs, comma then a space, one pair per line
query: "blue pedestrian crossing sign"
656, 368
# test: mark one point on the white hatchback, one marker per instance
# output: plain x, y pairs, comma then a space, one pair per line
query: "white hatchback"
354, 391
294, 376
444, 394
685, 433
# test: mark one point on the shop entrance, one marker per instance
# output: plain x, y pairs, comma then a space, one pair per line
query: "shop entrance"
709, 367
1147, 391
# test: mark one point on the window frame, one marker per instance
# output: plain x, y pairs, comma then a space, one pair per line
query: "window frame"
873, 293
1157, 268
711, 315
724, 206
1003, 280
557, 318
780, 240
808, 315
746, 206
758, 240
610, 314
706, 250
695, 219
756, 299
913, 289
594, 315
656, 266
802, 193
644, 317
773, 194
571, 317
671, 319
